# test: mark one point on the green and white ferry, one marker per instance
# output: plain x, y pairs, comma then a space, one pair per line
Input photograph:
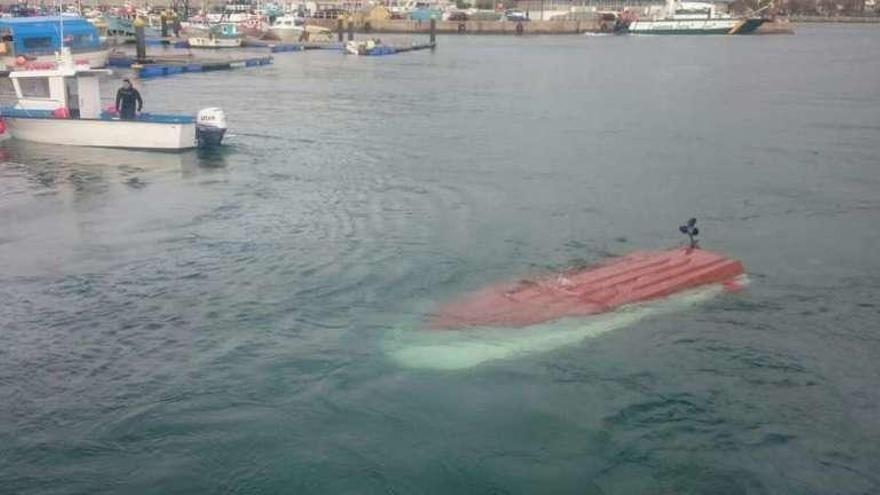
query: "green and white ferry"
694, 18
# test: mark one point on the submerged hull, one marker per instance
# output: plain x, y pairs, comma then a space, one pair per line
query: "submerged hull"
105, 133
636, 278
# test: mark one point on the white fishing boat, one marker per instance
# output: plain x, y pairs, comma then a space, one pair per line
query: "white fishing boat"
62, 105
222, 35
287, 28
694, 18
291, 29
37, 39
368, 47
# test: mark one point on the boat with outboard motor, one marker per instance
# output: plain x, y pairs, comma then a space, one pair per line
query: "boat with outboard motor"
638, 277
694, 18
60, 103
548, 312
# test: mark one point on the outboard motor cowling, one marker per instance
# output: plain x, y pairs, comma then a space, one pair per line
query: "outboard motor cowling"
210, 127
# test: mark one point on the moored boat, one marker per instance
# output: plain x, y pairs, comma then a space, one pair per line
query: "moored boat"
60, 103
287, 28
694, 18
368, 47
290, 29
222, 35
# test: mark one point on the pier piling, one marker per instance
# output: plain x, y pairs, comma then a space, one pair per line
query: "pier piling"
350, 31
140, 40
339, 30
433, 36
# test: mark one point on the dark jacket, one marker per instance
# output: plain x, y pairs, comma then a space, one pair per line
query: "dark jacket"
126, 98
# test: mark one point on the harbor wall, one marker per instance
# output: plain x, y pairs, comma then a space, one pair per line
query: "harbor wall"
778, 27
466, 27
539, 27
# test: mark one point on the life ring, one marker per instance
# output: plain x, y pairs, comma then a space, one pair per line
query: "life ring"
461, 27
519, 28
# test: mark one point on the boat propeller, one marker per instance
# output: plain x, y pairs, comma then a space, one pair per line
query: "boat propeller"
690, 229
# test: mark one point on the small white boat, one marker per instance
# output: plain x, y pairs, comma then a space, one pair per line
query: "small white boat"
223, 35
368, 47
292, 29
62, 105
287, 28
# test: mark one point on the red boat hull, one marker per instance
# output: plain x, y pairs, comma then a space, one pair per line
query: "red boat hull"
635, 278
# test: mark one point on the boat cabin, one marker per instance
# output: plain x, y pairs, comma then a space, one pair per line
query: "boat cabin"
288, 21
66, 90
225, 30
228, 29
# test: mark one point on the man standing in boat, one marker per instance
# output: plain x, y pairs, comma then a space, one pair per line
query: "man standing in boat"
127, 99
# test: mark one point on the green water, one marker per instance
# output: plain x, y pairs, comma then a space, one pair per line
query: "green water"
251, 321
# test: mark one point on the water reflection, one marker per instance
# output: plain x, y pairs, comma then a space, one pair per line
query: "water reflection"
92, 170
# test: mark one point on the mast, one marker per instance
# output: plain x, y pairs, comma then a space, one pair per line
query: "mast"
61, 21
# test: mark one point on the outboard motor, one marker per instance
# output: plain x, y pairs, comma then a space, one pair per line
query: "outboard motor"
210, 127
690, 229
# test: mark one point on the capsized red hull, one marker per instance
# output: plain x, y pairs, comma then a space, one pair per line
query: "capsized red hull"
638, 277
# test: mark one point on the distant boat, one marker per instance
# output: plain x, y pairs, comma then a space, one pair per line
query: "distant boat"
119, 29
222, 35
287, 28
368, 47
694, 18
60, 103
36, 39
290, 29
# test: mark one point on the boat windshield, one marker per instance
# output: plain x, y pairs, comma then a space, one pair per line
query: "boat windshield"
34, 87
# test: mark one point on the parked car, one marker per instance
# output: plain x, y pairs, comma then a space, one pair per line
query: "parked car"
457, 16
515, 15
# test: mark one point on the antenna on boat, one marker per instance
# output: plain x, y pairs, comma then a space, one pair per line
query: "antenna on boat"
690, 229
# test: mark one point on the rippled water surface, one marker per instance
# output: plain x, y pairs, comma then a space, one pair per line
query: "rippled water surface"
227, 322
